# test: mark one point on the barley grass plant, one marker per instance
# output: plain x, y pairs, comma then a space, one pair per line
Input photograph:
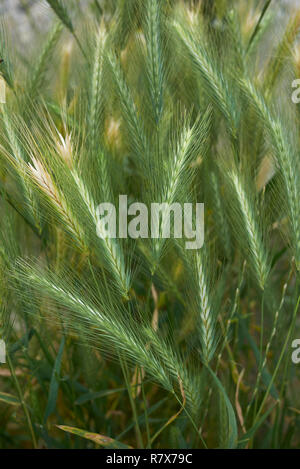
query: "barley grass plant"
142, 343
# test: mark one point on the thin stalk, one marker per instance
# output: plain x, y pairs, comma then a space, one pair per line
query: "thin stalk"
80, 46
22, 402
97, 5
279, 361
284, 382
261, 361
264, 10
28, 222
132, 403
145, 412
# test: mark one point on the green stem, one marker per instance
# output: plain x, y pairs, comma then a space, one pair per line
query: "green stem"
145, 411
80, 46
97, 5
265, 8
22, 402
279, 361
261, 358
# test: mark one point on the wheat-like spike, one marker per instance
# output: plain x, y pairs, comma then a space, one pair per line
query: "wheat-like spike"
12, 138
60, 10
179, 163
128, 119
197, 265
9, 250
106, 183
20, 164
95, 110
131, 119
44, 180
169, 188
5, 65
87, 318
114, 255
290, 172
175, 368
171, 183
213, 78
38, 74
191, 141
154, 57
279, 57
207, 324
257, 249
62, 13
285, 159
237, 40
65, 148
96, 88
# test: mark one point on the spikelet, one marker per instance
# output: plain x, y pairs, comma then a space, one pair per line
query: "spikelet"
135, 128
97, 86
44, 180
112, 133
37, 77
62, 13
64, 146
207, 322
213, 78
155, 59
285, 160
257, 250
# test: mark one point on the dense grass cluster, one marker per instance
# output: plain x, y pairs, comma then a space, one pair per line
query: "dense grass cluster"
143, 343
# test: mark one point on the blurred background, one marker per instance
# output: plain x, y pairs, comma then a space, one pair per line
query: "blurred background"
40, 15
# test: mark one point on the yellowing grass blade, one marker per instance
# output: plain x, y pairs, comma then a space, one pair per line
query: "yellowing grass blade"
95, 437
9, 399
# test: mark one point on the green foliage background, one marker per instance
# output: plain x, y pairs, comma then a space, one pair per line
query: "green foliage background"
142, 343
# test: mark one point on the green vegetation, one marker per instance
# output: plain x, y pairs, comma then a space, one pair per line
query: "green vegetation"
141, 343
